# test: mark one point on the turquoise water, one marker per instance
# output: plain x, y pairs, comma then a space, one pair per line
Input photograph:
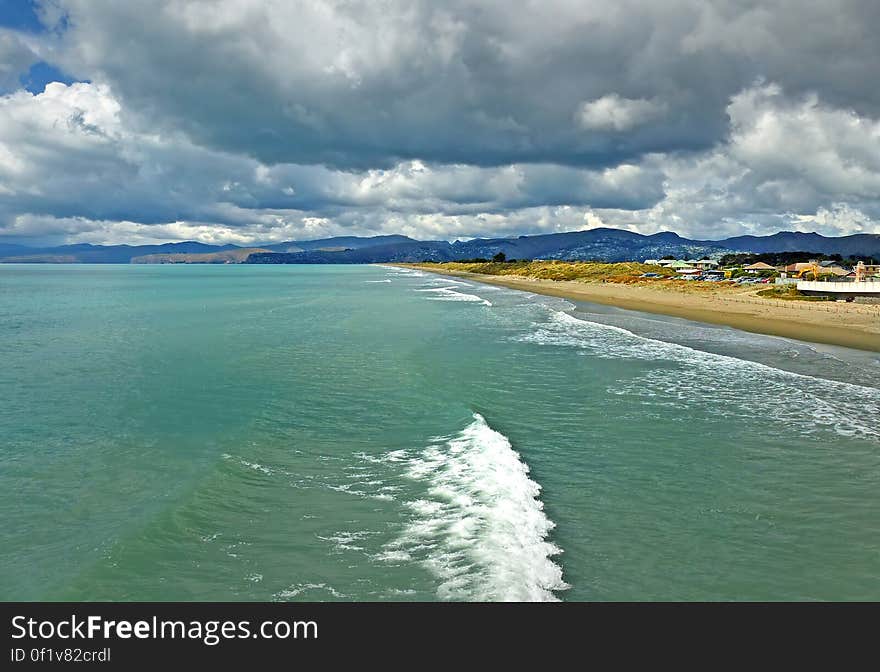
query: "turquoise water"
367, 433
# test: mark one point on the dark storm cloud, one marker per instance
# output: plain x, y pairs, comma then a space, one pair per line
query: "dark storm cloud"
490, 83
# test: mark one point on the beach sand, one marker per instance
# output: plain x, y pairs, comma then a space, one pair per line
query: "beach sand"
851, 325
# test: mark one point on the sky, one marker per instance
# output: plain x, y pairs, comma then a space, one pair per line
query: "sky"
258, 121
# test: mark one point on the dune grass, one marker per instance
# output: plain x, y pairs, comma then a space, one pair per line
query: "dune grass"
789, 293
585, 271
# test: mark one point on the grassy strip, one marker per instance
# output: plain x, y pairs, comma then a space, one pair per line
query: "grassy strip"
585, 271
789, 293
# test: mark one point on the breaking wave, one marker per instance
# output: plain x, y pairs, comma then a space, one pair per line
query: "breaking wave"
739, 387
450, 294
480, 528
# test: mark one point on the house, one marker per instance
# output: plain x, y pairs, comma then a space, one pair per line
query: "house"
866, 272
870, 270
705, 264
817, 268
759, 267
678, 264
833, 268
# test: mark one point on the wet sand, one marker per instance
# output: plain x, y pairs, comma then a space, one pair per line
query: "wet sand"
851, 325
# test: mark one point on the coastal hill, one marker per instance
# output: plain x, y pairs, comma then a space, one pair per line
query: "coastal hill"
235, 256
605, 244
794, 241
84, 253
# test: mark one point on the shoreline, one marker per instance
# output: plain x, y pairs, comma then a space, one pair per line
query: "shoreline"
847, 325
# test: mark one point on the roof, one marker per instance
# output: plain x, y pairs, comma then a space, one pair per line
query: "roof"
679, 264
831, 264
760, 266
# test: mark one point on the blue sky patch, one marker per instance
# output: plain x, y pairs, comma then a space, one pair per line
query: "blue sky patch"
42, 73
20, 15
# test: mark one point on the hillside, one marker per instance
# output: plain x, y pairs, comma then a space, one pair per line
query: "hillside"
236, 256
84, 253
793, 241
601, 244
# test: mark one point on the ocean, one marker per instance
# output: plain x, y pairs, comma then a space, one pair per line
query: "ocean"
243, 432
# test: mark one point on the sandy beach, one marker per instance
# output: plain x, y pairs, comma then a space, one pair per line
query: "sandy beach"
851, 325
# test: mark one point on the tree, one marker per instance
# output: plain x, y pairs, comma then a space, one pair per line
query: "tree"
500, 257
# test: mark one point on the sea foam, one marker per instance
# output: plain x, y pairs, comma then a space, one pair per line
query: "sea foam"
450, 294
803, 402
480, 527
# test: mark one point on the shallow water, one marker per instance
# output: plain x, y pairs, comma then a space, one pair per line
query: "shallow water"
338, 432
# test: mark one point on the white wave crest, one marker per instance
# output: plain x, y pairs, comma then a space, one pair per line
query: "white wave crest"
393, 270
450, 294
315, 590
801, 401
433, 282
481, 528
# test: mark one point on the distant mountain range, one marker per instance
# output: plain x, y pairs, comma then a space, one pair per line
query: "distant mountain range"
601, 244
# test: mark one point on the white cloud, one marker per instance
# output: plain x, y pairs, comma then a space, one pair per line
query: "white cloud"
72, 169
787, 164
834, 153
613, 113
69, 160
839, 219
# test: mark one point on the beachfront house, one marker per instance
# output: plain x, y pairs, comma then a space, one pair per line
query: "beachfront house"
797, 267
683, 269
705, 264
833, 268
759, 267
826, 268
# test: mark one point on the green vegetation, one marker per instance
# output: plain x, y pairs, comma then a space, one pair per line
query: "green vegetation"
789, 293
585, 271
